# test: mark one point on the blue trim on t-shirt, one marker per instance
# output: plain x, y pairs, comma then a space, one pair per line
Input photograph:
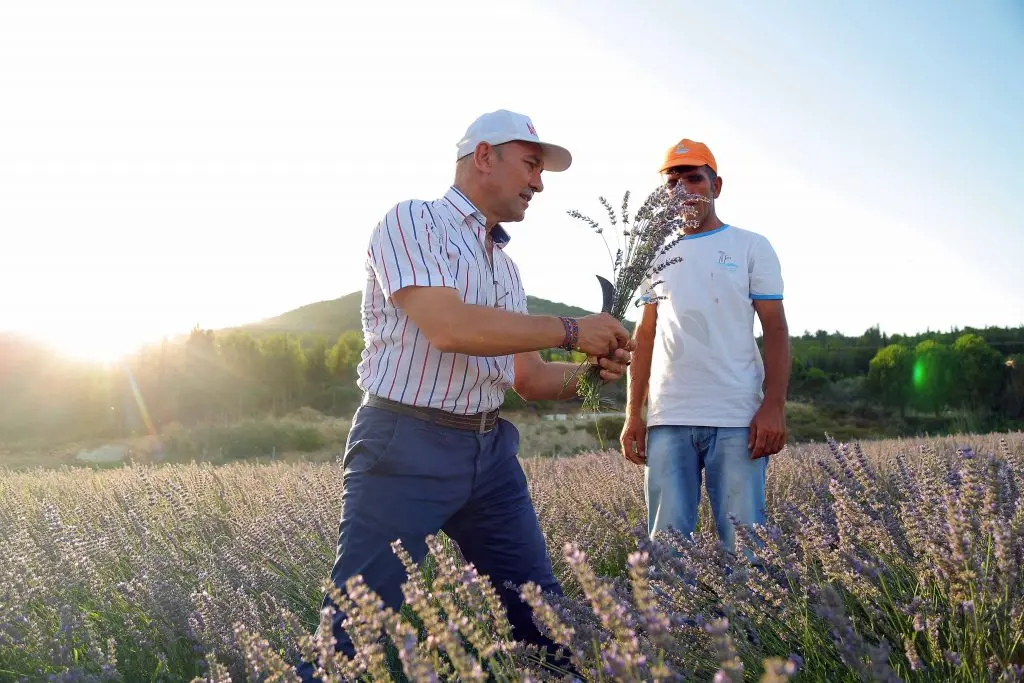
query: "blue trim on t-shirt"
764, 297
705, 234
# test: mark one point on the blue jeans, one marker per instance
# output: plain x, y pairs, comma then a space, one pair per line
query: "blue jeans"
405, 478
676, 456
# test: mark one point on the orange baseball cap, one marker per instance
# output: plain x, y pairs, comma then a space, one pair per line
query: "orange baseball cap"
688, 153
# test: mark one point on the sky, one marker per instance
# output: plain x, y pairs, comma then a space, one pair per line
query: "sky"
209, 162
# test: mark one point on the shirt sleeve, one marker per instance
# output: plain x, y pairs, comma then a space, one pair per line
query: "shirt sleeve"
406, 248
765, 272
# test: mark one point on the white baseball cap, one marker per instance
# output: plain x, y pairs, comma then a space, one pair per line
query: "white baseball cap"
499, 127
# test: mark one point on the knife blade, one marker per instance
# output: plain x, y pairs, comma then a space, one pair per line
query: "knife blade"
607, 294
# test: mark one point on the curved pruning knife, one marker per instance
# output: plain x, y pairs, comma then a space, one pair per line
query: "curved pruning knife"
607, 294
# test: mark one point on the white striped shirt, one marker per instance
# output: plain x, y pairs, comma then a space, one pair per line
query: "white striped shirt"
438, 243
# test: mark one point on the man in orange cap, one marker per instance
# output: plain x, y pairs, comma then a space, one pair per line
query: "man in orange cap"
713, 403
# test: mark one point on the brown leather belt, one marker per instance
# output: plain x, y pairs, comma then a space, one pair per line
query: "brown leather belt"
476, 422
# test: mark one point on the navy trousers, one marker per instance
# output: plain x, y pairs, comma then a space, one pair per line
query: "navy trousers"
404, 479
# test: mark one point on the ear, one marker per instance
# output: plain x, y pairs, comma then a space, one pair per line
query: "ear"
717, 185
484, 157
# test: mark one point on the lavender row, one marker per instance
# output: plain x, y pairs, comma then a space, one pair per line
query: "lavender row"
895, 561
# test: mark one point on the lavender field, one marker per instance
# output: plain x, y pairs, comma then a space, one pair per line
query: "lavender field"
894, 561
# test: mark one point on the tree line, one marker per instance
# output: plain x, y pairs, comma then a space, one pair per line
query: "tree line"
978, 374
206, 377
213, 377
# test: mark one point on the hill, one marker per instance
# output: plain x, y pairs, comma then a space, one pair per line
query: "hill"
331, 318
328, 318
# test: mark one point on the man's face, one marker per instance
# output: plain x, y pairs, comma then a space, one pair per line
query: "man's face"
514, 178
695, 180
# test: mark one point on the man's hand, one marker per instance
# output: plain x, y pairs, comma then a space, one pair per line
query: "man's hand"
767, 430
612, 369
634, 440
601, 334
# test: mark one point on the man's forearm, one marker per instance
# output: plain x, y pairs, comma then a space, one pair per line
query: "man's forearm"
776, 365
453, 326
638, 377
485, 331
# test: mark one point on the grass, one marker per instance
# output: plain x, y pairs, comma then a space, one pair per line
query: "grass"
899, 562
308, 435
305, 434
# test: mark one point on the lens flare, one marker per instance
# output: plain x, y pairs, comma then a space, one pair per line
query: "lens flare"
920, 374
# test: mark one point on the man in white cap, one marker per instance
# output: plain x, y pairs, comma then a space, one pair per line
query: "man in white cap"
447, 333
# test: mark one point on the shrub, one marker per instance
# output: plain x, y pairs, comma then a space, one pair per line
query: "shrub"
606, 428
250, 438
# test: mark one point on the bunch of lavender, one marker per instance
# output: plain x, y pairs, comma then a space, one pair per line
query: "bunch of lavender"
657, 227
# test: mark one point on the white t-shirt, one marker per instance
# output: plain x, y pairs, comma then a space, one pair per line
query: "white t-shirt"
706, 369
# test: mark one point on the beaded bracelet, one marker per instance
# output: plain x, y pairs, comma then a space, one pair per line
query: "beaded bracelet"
572, 333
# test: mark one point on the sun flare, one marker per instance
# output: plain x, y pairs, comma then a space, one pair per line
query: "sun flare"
100, 349
100, 344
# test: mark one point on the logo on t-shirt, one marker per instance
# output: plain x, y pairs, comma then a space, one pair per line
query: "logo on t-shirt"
725, 262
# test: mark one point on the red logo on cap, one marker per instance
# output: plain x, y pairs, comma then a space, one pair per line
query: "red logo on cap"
529, 126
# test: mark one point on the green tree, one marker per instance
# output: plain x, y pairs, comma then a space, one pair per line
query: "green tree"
284, 369
317, 374
344, 356
1013, 389
979, 373
932, 376
890, 376
242, 360
198, 397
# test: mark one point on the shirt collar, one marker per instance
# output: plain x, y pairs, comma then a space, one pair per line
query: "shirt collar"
474, 217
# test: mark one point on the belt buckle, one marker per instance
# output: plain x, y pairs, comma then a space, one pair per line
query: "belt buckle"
483, 423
